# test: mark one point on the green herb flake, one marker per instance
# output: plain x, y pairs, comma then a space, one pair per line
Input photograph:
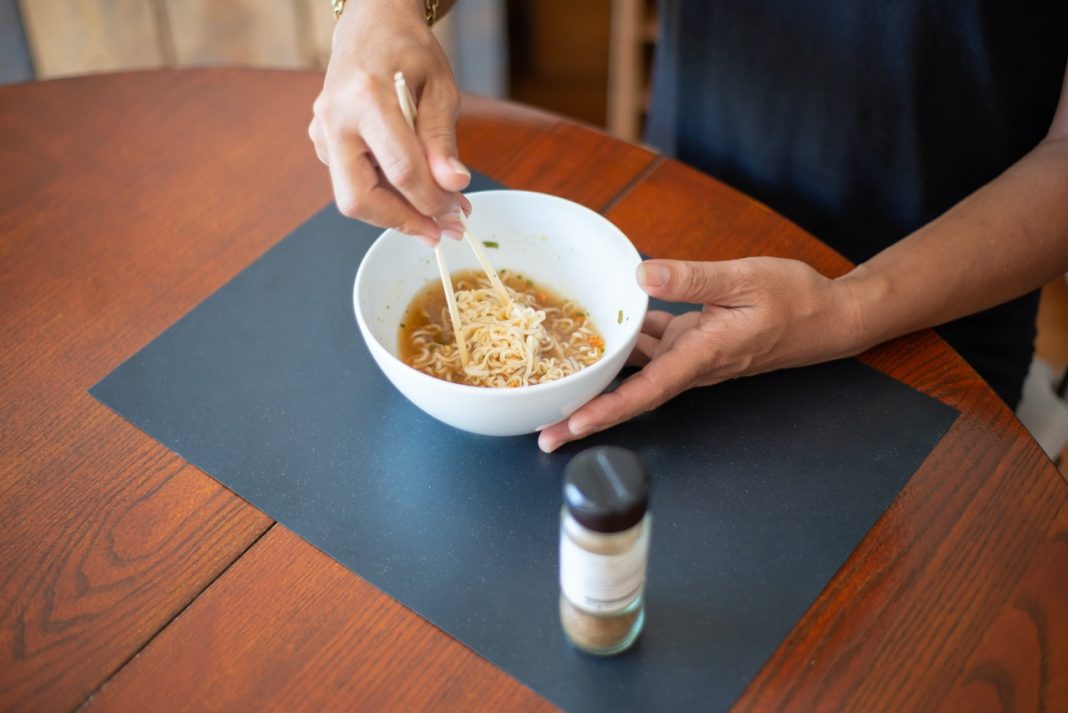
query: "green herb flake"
402, 325
491, 244
530, 283
619, 317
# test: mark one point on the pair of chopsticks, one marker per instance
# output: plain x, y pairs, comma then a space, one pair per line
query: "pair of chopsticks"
407, 105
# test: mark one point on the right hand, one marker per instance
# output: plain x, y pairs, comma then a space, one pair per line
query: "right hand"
382, 172
759, 314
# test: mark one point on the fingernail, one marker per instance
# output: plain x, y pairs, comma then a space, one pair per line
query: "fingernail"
451, 222
577, 430
452, 234
427, 240
545, 445
458, 167
653, 275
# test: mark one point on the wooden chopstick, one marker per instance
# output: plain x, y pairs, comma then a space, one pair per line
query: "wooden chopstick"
409, 111
407, 105
494, 278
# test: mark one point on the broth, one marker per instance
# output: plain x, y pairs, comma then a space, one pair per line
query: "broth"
544, 338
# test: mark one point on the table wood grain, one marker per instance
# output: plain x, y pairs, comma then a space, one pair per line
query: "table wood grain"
131, 580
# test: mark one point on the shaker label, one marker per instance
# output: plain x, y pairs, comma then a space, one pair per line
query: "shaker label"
603, 584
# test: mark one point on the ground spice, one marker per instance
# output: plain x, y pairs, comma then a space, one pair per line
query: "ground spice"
594, 633
604, 545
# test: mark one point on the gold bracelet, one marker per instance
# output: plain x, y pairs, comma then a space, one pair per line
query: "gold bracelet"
431, 12
431, 7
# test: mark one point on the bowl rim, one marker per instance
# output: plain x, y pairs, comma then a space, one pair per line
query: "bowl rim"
498, 392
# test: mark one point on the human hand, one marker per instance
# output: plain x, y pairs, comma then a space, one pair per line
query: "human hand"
759, 314
382, 172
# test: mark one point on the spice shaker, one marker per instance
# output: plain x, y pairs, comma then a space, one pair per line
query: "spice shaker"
604, 549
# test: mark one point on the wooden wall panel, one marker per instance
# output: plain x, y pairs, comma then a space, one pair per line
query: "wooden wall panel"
15, 65
83, 36
624, 65
258, 33
317, 33
318, 22
69, 37
561, 56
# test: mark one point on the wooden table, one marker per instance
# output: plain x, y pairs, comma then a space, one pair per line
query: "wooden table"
131, 580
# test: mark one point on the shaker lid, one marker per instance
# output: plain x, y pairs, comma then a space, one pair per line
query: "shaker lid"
606, 489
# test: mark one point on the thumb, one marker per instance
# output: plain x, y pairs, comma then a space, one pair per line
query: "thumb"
436, 126
687, 280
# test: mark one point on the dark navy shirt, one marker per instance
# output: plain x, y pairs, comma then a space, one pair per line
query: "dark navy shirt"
862, 121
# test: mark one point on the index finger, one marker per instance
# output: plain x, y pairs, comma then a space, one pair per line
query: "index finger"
402, 158
360, 193
662, 378
656, 321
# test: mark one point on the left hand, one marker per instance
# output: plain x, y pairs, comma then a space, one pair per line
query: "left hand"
759, 314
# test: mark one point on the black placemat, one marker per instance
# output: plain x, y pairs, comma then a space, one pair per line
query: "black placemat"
762, 487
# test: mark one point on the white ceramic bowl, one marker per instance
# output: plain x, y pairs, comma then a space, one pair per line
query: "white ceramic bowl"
559, 244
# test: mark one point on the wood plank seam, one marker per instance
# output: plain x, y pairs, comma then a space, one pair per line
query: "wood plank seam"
550, 129
137, 652
863, 643
164, 33
612, 202
616, 198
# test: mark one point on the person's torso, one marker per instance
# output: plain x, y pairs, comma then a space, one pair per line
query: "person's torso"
860, 121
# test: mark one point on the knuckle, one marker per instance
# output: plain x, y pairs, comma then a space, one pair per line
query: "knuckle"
322, 108
349, 204
694, 282
362, 84
439, 204
408, 228
414, 224
439, 136
450, 97
658, 396
401, 172
340, 104
744, 270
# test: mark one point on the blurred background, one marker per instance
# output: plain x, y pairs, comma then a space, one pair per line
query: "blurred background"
588, 60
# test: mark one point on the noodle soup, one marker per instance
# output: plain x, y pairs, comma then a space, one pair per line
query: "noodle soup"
542, 337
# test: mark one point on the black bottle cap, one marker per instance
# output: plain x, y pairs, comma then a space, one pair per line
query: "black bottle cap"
606, 489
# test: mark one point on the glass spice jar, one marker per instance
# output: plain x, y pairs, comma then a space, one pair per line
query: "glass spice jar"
604, 549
